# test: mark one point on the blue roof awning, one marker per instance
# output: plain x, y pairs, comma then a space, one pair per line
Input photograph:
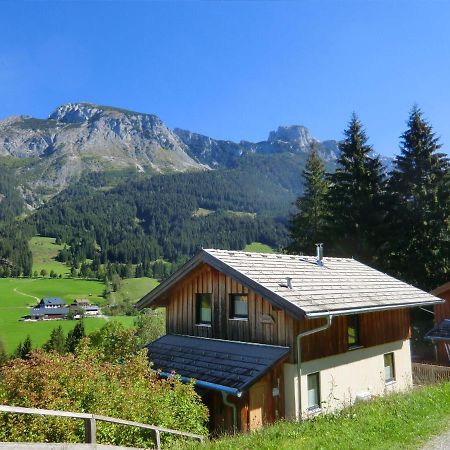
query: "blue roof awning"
440, 332
227, 366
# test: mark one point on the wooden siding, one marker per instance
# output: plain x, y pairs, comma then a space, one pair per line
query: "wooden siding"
269, 325
181, 311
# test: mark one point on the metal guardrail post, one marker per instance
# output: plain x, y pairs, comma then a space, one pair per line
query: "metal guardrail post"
90, 431
158, 439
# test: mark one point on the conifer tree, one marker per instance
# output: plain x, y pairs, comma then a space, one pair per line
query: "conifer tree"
56, 342
24, 349
307, 226
3, 354
74, 337
419, 206
355, 199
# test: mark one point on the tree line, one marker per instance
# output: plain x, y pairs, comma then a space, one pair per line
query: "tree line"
397, 222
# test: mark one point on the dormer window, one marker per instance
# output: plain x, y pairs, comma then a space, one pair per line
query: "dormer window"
238, 306
203, 309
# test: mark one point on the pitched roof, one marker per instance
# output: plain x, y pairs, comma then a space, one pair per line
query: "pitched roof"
227, 366
440, 332
47, 301
338, 286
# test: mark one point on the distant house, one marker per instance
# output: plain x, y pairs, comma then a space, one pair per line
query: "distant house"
49, 308
270, 336
50, 313
83, 307
440, 334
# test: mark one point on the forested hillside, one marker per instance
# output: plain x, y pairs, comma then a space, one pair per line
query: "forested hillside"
171, 216
15, 256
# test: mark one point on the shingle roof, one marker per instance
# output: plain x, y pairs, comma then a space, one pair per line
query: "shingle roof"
228, 366
440, 332
339, 286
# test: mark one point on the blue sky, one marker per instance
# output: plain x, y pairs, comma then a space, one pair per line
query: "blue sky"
234, 70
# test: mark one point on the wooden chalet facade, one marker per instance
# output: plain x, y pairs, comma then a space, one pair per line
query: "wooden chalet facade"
345, 328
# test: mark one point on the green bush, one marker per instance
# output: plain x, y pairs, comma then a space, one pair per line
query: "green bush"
85, 382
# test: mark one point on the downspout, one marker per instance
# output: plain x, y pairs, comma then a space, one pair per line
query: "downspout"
233, 407
299, 358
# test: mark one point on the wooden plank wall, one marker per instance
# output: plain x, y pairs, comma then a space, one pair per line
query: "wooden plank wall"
181, 311
375, 328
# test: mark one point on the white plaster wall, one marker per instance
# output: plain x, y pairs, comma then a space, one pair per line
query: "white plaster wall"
343, 377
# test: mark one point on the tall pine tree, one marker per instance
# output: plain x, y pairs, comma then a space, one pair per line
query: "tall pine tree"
419, 207
307, 226
355, 199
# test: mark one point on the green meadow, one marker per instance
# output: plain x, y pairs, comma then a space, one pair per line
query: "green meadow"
258, 248
45, 250
133, 289
17, 295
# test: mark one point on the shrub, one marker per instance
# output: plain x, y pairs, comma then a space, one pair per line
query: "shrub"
83, 382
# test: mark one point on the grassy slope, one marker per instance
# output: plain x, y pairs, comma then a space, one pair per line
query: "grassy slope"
44, 252
16, 296
133, 289
398, 421
258, 247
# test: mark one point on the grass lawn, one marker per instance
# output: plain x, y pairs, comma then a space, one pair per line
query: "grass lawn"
398, 422
258, 247
17, 295
133, 289
44, 252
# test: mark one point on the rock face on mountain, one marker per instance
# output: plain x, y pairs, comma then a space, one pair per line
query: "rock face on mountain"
80, 137
292, 139
83, 136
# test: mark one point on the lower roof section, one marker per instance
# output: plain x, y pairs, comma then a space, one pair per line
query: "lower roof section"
227, 366
440, 332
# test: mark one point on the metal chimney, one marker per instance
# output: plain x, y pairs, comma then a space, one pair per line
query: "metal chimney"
319, 249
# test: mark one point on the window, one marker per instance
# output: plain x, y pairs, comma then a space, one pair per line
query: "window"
238, 306
389, 369
313, 391
353, 331
203, 309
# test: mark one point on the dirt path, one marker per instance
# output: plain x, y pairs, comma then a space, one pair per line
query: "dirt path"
26, 295
441, 442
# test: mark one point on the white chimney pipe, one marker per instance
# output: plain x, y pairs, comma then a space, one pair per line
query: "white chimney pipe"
319, 260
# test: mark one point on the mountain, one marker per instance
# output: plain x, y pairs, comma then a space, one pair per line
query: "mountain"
77, 138
218, 153
80, 137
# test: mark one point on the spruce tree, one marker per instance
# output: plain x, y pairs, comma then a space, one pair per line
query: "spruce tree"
355, 199
419, 206
307, 225
56, 342
24, 349
74, 337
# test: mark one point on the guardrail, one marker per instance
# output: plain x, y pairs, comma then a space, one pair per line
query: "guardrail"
90, 423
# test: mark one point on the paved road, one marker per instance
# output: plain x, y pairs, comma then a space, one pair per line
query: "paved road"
441, 442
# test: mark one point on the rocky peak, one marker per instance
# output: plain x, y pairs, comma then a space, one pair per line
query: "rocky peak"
294, 133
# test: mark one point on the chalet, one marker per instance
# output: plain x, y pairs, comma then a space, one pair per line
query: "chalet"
270, 336
48, 313
82, 306
49, 308
440, 334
